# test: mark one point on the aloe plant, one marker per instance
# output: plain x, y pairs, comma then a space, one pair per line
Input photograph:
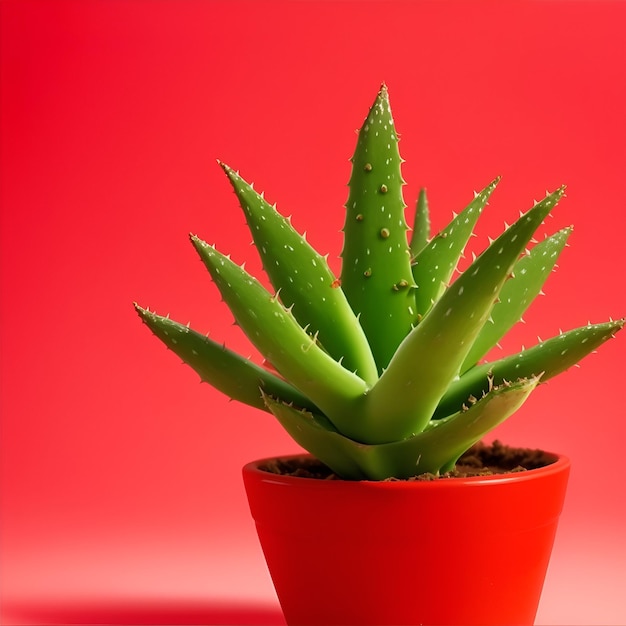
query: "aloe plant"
377, 372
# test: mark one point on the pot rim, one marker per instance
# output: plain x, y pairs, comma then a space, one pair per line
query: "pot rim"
561, 463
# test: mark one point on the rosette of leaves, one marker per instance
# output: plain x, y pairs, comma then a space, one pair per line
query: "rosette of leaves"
377, 372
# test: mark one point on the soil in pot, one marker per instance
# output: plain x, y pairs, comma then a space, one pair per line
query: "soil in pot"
480, 460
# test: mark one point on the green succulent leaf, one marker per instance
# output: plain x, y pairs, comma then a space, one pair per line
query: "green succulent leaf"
517, 294
305, 282
318, 436
237, 377
549, 358
277, 335
377, 373
438, 448
421, 224
434, 265
376, 270
403, 400
435, 450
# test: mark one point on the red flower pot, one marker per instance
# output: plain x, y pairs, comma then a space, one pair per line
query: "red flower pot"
452, 551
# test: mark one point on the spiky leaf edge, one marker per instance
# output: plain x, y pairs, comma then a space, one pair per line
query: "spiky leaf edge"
550, 357
405, 397
276, 334
433, 451
230, 373
305, 282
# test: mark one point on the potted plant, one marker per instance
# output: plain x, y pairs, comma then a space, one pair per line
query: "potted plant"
378, 375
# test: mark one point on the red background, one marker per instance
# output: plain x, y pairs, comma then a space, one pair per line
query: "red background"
121, 491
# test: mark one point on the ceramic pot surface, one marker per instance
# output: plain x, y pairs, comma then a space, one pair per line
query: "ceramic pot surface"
449, 551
